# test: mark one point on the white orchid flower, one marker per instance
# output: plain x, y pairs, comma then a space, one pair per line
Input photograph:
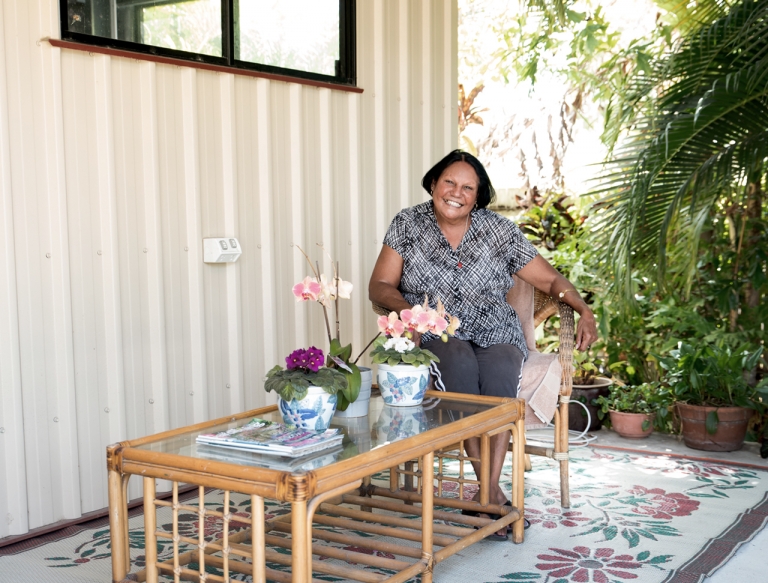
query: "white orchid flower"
344, 288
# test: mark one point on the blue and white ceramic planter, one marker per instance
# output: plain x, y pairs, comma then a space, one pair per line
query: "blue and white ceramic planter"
403, 385
313, 412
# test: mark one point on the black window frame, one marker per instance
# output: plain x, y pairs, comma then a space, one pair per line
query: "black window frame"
346, 65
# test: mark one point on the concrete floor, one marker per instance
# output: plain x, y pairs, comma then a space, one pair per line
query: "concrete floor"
749, 563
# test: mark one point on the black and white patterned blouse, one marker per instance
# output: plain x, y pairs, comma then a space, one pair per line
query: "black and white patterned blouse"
492, 250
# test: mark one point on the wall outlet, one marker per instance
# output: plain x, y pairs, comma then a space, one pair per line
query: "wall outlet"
221, 250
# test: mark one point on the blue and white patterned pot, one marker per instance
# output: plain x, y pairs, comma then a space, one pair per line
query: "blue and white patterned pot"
313, 412
403, 385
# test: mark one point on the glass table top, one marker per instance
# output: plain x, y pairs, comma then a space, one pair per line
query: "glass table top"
384, 424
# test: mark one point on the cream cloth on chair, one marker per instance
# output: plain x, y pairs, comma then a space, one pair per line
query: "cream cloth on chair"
540, 386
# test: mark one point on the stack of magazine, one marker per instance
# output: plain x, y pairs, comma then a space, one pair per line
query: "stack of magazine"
271, 438
311, 461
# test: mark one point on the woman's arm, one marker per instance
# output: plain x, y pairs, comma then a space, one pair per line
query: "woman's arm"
385, 280
541, 275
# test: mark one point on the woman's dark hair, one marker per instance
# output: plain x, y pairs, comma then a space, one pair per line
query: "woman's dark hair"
485, 192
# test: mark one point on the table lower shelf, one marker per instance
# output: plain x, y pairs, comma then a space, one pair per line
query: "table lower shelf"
367, 531
376, 532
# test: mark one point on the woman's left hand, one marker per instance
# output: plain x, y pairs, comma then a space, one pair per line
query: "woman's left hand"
586, 330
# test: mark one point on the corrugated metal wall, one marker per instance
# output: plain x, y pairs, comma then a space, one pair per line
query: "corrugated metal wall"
112, 171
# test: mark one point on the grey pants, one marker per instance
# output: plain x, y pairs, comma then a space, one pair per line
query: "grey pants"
465, 367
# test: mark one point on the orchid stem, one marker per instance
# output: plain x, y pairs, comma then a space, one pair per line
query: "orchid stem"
366, 348
316, 273
325, 311
336, 283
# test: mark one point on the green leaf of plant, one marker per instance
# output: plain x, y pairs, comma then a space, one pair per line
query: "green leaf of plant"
574, 16
350, 393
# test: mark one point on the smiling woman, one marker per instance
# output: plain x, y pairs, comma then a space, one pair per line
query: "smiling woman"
313, 39
454, 250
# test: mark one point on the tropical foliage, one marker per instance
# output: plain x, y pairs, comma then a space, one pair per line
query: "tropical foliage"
693, 162
672, 252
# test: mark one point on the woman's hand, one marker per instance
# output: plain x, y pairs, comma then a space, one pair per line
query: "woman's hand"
586, 330
541, 275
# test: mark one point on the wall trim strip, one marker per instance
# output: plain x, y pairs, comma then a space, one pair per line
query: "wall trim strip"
63, 44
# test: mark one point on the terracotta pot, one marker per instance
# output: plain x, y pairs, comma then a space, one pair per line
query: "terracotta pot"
630, 425
577, 416
731, 429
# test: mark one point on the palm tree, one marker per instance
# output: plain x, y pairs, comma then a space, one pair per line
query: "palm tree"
700, 137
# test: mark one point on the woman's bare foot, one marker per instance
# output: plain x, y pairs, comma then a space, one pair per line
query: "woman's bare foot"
496, 496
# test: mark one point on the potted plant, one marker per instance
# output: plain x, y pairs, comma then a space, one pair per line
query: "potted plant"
588, 386
632, 409
712, 397
403, 372
354, 398
307, 391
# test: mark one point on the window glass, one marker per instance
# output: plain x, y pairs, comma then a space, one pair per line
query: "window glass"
311, 39
193, 26
186, 25
293, 34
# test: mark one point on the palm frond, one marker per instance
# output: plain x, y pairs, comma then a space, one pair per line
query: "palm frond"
703, 131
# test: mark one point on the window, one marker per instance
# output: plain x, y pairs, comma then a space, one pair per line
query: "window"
312, 39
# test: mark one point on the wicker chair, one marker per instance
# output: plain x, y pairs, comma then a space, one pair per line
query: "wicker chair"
547, 395
534, 307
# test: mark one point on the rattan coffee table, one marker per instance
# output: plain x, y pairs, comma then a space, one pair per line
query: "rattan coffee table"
331, 505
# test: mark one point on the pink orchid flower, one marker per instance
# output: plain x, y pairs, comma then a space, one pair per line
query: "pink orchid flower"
453, 325
413, 318
437, 323
453, 321
423, 322
307, 290
391, 325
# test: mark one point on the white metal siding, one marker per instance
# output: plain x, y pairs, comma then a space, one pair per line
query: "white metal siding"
113, 170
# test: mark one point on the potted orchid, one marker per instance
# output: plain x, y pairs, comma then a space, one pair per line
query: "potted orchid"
307, 391
403, 372
327, 291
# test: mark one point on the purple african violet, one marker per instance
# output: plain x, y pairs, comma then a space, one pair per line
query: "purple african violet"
315, 358
310, 359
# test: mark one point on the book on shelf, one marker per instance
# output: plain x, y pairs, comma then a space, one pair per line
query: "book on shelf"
272, 438
246, 457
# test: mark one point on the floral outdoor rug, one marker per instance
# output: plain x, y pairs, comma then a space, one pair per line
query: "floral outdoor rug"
633, 517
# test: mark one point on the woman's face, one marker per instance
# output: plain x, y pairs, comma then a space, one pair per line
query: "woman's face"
454, 193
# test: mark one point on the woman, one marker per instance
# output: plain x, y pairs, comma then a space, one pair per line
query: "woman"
453, 249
